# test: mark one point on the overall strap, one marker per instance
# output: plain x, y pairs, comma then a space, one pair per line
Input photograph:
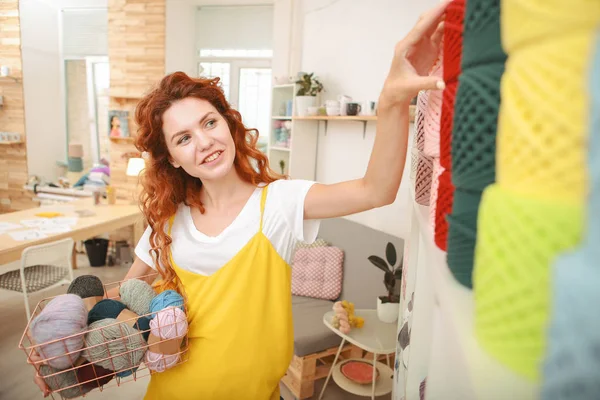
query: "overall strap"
171, 219
263, 201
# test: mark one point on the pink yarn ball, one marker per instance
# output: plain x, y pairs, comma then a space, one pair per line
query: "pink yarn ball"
169, 323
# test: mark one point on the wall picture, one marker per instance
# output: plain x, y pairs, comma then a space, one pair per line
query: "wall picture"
118, 122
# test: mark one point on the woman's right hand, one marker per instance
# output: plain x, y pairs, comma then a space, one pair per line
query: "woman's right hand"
38, 380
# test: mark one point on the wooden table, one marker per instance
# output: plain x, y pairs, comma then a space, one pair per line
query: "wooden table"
106, 218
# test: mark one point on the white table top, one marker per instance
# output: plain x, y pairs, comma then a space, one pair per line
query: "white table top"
375, 336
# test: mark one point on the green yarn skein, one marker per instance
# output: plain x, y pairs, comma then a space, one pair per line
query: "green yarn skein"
113, 345
137, 295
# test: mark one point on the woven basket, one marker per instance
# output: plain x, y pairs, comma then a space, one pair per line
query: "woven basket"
431, 145
447, 117
453, 40
462, 235
442, 209
435, 183
423, 180
422, 100
481, 37
518, 237
572, 362
475, 126
533, 21
541, 136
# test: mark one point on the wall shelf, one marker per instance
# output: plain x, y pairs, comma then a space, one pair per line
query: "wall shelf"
337, 118
280, 148
283, 117
122, 139
11, 142
10, 79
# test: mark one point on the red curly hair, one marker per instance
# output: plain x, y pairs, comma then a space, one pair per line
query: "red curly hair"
164, 187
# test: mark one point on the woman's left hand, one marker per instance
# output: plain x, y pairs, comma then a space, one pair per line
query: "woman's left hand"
413, 58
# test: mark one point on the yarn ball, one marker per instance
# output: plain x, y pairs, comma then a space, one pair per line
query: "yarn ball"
106, 308
444, 201
137, 295
143, 325
518, 238
453, 40
126, 373
62, 317
168, 298
114, 345
63, 380
423, 179
168, 324
422, 101
86, 286
481, 36
94, 376
446, 124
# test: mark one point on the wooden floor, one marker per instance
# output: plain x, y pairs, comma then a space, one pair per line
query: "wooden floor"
16, 375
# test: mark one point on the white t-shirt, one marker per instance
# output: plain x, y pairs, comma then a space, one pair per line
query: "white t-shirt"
283, 225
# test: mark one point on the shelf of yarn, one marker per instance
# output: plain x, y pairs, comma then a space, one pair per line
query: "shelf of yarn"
129, 139
488, 378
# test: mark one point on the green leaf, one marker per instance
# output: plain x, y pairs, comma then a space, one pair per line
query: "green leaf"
390, 254
398, 273
379, 263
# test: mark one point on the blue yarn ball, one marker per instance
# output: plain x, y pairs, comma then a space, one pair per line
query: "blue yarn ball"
168, 298
126, 373
106, 308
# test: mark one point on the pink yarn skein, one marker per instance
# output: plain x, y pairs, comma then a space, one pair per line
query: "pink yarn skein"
433, 116
169, 323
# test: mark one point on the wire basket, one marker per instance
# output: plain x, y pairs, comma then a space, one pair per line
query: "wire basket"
111, 366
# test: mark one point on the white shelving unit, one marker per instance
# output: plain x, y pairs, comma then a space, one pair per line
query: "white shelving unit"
443, 347
300, 157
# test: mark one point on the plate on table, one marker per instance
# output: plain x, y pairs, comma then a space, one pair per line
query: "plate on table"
360, 372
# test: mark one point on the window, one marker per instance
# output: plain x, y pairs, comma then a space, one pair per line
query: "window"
229, 53
214, 70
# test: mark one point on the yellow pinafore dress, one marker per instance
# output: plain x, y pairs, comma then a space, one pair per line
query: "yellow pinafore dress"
240, 328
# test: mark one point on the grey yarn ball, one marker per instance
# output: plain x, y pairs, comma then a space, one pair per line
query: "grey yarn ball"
63, 380
116, 346
86, 286
137, 295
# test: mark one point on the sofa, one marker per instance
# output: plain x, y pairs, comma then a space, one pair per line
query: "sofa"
315, 345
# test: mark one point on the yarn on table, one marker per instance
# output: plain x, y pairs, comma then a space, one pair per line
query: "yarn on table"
443, 207
137, 295
431, 141
541, 136
533, 21
481, 37
422, 100
475, 126
446, 120
169, 323
114, 345
435, 184
462, 235
168, 298
518, 237
64, 316
86, 286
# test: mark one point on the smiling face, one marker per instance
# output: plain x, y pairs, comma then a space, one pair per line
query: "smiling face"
198, 139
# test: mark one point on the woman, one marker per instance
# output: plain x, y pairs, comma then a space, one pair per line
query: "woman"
221, 231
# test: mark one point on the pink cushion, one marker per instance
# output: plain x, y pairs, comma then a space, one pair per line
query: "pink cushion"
317, 272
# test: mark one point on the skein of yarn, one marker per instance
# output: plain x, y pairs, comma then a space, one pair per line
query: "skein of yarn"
169, 323
113, 345
62, 317
137, 295
63, 380
168, 298
106, 308
93, 376
86, 286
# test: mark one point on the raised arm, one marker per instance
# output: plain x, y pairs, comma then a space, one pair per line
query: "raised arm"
413, 58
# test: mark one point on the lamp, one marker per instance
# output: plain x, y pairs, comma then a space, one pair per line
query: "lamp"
135, 166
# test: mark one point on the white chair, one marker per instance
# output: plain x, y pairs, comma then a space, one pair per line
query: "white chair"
43, 267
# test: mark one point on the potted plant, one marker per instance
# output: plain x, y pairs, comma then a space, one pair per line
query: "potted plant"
307, 92
388, 305
282, 166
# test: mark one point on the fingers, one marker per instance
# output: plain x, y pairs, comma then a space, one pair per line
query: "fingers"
426, 83
437, 36
429, 21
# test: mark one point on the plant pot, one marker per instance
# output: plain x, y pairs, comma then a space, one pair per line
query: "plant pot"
387, 312
302, 104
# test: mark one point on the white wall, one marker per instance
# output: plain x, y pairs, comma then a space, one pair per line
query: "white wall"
349, 45
42, 82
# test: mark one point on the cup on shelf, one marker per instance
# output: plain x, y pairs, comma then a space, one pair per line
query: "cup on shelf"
369, 108
312, 111
332, 103
353, 108
333, 110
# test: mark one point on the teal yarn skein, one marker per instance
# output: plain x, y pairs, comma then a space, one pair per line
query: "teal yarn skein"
106, 308
137, 295
168, 298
